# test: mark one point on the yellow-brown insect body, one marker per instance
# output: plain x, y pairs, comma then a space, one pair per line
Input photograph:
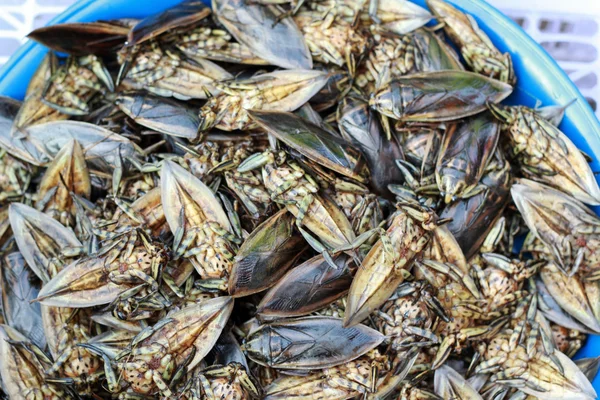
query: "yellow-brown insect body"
216, 44
383, 268
477, 49
531, 365
401, 315
279, 90
212, 158
22, 369
547, 155
14, 177
148, 208
355, 378
167, 73
360, 207
70, 360
228, 382
66, 175
182, 339
389, 58
288, 184
73, 85
130, 258
501, 283
330, 40
193, 212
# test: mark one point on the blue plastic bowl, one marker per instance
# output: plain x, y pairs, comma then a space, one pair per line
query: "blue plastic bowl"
539, 77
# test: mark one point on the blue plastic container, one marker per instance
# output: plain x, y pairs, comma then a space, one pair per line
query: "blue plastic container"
539, 77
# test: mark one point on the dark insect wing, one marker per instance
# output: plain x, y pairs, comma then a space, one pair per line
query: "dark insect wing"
473, 217
439, 96
312, 342
185, 13
355, 120
432, 53
360, 126
308, 287
338, 84
266, 255
487, 132
312, 142
426, 98
160, 114
228, 350
9, 108
465, 154
318, 342
100, 38
19, 287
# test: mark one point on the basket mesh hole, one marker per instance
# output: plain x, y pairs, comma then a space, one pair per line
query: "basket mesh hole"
579, 27
571, 51
521, 21
8, 46
592, 103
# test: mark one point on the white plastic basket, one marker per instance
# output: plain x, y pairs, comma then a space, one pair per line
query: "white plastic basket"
19, 17
568, 30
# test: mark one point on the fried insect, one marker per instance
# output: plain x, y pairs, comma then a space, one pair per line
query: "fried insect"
291, 186
438, 96
128, 259
464, 156
22, 368
331, 40
473, 219
279, 90
388, 261
73, 85
202, 229
309, 343
546, 154
179, 341
520, 358
265, 256
475, 46
570, 235
360, 126
395, 56
168, 73
67, 176
301, 291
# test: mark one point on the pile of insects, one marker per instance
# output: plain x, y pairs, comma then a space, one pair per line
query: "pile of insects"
286, 199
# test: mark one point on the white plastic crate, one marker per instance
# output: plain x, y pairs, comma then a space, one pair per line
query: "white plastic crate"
19, 17
568, 30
